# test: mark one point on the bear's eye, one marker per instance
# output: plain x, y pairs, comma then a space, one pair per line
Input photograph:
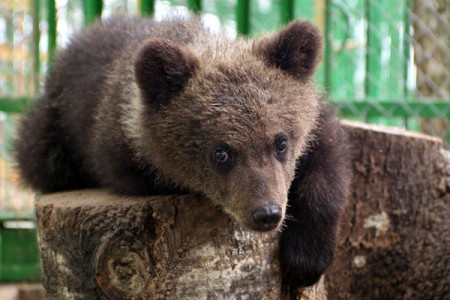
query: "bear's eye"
222, 155
281, 145
223, 158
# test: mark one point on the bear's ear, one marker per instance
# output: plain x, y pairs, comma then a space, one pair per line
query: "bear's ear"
295, 49
162, 69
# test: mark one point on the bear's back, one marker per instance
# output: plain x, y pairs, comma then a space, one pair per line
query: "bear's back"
79, 78
54, 144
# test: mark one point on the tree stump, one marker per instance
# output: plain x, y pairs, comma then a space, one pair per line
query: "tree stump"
395, 237
95, 245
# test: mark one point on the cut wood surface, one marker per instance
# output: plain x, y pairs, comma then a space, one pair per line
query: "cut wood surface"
395, 237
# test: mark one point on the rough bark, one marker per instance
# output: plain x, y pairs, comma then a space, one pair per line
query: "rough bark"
396, 231
95, 245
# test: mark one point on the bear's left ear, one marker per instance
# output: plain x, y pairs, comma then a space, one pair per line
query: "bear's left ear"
295, 49
162, 69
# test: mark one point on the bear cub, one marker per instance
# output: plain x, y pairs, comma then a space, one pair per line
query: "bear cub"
142, 107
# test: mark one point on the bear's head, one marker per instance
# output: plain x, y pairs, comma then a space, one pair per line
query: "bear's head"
229, 119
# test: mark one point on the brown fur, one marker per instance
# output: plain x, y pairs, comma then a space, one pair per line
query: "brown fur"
139, 107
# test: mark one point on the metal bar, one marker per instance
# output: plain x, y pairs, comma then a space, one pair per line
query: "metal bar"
36, 15
392, 71
411, 122
328, 51
92, 9
407, 42
9, 63
243, 17
14, 104
147, 7
373, 54
51, 21
286, 11
195, 6
17, 215
431, 108
383, 108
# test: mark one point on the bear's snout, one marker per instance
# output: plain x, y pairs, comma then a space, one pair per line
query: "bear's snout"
267, 217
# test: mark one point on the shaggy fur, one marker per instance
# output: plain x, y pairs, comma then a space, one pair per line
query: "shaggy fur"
142, 107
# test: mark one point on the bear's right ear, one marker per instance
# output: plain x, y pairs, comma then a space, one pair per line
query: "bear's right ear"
295, 49
162, 69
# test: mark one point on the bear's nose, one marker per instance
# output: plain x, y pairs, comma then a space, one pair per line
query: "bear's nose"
267, 217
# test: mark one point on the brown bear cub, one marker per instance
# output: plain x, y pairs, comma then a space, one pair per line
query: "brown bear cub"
143, 107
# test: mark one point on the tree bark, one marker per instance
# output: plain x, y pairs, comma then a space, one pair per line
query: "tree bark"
394, 240
395, 236
96, 245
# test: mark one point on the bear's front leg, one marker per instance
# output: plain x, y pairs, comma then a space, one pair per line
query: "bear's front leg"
316, 201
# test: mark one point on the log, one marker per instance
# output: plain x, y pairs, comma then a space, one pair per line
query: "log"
95, 245
395, 236
394, 244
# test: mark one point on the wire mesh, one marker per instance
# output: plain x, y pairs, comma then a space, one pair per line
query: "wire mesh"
397, 52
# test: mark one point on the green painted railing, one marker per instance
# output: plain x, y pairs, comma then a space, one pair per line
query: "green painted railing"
91, 10
384, 96
147, 7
